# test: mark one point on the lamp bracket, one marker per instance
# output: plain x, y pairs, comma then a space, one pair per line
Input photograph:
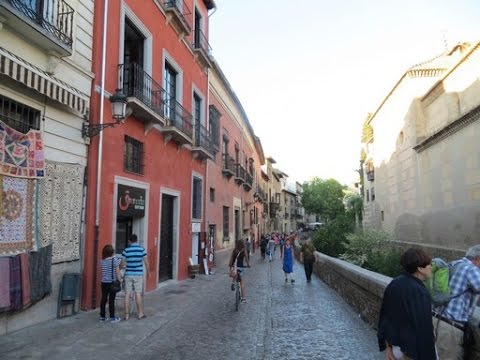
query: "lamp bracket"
91, 130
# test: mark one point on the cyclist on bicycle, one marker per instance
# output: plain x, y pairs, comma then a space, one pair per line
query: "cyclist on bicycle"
238, 260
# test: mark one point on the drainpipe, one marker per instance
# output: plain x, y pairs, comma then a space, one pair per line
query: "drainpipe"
99, 163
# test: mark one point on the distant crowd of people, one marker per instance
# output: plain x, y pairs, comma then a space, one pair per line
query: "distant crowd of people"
411, 326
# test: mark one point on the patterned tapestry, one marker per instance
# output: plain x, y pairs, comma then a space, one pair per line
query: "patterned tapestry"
21, 155
60, 210
18, 216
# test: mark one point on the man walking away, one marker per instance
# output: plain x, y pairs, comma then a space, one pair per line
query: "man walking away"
451, 322
134, 257
307, 255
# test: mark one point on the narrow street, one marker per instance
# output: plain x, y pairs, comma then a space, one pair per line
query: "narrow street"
196, 319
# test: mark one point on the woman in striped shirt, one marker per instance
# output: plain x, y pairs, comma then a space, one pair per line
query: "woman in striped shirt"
110, 266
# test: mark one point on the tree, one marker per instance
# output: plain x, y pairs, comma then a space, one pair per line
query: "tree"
323, 198
354, 205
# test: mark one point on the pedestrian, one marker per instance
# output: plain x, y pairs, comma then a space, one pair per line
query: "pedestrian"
288, 260
405, 328
271, 248
239, 259
134, 258
451, 323
307, 256
110, 266
263, 246
248, 246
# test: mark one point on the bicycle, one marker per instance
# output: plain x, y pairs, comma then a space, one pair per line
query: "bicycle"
238, 289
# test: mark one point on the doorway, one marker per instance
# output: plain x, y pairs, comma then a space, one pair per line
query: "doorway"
165, 266
123, 233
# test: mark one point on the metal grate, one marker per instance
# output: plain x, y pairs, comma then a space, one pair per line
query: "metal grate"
133, 155
19, 116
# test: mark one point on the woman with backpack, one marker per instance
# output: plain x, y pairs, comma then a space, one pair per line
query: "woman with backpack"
405, 328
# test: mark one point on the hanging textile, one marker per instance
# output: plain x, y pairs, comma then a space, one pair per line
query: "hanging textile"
21, 155
18, 219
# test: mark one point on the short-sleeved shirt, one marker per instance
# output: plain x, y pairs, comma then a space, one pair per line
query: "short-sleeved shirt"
133, 256
108, 266
465, 281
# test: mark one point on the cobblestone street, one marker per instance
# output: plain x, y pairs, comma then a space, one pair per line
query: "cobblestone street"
196, 319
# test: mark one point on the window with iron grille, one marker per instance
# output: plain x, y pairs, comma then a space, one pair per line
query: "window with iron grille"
212, 195
226, 221
19, 116
133, 155
197, 198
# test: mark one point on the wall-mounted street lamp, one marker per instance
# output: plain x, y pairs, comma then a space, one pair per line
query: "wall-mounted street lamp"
119, 109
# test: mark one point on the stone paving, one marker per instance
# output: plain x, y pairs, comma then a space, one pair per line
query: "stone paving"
196, 319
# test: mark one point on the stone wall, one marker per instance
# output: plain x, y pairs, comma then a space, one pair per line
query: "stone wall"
363, 290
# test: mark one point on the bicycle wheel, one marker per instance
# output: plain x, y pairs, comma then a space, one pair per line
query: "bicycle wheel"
237, 296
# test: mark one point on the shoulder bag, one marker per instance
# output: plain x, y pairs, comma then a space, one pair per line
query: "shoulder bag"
116, 285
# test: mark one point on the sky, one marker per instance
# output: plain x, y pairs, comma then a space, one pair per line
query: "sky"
308, 72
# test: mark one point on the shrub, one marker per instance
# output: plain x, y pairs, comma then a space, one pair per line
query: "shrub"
331, 239
371, 250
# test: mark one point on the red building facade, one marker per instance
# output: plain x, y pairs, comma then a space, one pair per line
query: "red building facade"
147, 176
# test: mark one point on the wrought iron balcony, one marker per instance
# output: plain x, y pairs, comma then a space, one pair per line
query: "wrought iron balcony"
179, 125
260, 194
201, 48
203, 147
239, 174
51, 21
371, 175
228, 165
145, 96
274, 207
247, 185
179, 15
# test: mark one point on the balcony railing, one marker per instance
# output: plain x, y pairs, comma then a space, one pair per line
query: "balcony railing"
137, 83
239, 174
371, 175
182, 15
247, 185
228, 165
178, 117
201, 46
202, 144
54, 16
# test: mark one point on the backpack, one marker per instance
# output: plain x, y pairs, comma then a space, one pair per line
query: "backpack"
438, 285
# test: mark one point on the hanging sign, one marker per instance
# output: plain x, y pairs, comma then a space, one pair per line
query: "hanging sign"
131, 201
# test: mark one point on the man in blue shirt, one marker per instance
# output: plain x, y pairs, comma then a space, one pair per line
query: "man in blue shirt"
451, 322
134, 258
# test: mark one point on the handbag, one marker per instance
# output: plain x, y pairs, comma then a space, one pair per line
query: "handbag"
116, 284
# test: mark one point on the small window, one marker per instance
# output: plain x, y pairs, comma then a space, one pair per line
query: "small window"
212, 195
226, 222
383, 215
18, 116
133, 155
197, 198
367, 195
372, 191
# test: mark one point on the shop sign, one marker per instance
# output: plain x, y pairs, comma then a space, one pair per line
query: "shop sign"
131, 201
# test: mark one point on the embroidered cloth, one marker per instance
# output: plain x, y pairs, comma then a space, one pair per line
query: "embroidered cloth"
21, 155
18, 219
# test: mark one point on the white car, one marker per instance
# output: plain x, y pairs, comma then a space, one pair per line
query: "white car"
314, 225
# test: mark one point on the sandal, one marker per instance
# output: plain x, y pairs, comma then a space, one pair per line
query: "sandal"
127, 316
142, 317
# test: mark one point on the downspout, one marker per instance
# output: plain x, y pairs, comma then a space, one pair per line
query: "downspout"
99, 162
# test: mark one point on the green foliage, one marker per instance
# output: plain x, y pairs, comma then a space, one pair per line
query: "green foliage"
371, 250
331, 239
323, 198
354, 205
